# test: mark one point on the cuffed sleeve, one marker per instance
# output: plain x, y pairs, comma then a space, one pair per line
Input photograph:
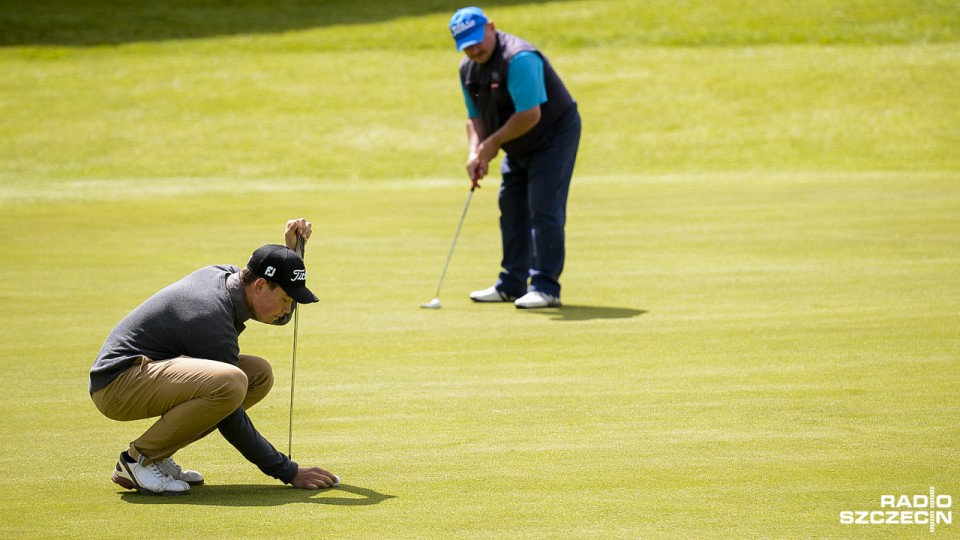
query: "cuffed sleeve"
239, 431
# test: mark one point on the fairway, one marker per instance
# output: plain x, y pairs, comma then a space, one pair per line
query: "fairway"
760, 328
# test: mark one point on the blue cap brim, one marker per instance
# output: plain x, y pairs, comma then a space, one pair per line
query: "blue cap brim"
474, 36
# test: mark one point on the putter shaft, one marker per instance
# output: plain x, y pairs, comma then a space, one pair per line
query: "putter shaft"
454, 244
293, 369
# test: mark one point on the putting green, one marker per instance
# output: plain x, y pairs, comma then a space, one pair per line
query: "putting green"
759, 328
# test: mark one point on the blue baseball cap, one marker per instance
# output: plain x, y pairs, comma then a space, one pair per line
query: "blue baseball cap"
467, 26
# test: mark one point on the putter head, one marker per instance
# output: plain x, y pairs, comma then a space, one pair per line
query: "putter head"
433, 304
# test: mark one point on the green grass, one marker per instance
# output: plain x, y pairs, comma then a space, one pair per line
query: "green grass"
760, 326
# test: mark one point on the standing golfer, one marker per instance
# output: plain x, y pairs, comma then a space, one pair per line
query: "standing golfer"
516, 102
177, 356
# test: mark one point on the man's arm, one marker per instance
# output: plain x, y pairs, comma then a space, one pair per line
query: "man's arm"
476, 132
517, 125
239, 431
527, 90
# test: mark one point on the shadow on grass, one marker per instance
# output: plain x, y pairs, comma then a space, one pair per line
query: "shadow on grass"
112, 22
586, 313
260, 495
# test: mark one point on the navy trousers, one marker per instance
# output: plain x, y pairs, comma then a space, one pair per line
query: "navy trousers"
533, 212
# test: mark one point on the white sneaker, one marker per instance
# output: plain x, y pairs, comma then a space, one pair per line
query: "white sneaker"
147, 479
537, 299
491, 294
171, 467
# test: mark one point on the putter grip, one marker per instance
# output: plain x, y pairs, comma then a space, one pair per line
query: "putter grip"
300, 246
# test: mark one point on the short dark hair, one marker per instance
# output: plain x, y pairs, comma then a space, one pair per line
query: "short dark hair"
247, 277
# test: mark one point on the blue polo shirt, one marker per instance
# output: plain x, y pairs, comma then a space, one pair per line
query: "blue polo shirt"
524, 82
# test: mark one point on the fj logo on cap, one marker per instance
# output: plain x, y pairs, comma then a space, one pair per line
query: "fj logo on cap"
299, 275
270, 271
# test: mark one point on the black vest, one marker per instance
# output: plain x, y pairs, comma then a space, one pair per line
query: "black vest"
486, 85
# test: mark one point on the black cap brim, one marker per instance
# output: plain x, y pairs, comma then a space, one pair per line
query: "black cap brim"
301, 295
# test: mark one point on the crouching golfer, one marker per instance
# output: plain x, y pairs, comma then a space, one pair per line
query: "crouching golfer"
177, 356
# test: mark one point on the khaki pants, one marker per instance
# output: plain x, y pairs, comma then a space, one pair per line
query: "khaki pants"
190, 395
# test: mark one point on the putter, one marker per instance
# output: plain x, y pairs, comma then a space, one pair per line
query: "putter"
293, 369
435, 303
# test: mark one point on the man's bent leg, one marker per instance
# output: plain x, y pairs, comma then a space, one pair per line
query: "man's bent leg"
190, 395
259, 382
259, 379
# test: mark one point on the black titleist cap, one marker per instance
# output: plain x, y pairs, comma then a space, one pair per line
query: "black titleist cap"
284, 267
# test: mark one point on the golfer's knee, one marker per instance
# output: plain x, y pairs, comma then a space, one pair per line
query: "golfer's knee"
265, 382
259, 373
232, 387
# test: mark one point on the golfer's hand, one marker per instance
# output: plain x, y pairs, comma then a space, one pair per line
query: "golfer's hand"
313, 478
476, 169
295, 228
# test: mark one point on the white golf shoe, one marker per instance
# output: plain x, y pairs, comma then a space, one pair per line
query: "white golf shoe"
147, 479
171, 467
491, 294
537, 299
